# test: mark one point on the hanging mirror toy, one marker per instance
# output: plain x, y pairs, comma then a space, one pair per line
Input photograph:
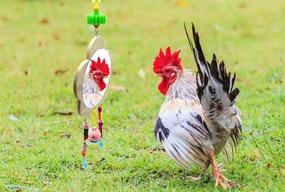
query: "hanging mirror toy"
91, 83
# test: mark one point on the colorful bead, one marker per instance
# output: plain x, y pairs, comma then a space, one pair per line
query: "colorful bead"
84, 163
100, 143
84, 149
100, 109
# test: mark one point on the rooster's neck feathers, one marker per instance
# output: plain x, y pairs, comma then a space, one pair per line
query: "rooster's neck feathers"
184, 87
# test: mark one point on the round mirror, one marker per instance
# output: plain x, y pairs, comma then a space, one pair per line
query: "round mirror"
96, 78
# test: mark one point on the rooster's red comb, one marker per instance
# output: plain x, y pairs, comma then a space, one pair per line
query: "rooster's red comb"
100, 66
167, 59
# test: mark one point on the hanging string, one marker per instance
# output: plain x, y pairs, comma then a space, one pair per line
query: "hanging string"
94, 116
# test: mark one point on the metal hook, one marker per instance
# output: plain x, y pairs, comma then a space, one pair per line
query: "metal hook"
96, 30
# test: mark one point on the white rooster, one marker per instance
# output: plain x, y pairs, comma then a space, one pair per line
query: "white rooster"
199, 118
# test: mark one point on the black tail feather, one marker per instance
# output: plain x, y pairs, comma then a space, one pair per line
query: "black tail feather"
198, 45
207, 71
193, 50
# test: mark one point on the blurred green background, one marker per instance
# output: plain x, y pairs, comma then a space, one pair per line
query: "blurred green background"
43, 42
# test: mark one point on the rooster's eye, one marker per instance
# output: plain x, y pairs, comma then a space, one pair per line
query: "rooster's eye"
98, 74
169, 73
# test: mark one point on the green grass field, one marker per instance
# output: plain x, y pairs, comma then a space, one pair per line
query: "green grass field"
43, 42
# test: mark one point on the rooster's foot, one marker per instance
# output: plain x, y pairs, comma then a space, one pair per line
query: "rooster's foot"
222, 181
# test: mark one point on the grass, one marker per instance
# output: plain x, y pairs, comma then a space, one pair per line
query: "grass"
41, 150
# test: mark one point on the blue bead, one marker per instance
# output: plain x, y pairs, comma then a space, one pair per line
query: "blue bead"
84, 163
100, 143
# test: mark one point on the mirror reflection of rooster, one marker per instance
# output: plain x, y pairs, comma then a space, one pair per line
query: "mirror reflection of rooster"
199, 118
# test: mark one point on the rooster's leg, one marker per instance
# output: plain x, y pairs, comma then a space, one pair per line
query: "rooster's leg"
221, 180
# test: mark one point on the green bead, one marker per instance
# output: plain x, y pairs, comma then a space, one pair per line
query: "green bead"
97, 18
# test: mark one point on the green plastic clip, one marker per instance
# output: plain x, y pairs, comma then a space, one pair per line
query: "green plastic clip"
96, 18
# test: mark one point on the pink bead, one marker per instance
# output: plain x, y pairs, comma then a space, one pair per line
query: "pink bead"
94, 134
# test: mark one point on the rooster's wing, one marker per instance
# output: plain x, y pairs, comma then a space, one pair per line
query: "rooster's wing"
183, 132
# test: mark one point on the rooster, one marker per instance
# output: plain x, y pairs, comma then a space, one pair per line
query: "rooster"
199, 118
